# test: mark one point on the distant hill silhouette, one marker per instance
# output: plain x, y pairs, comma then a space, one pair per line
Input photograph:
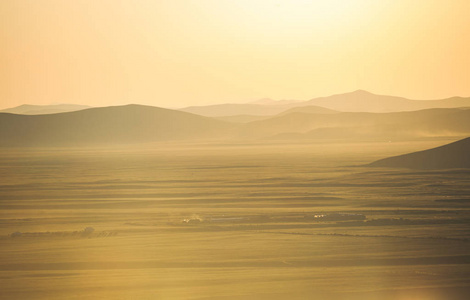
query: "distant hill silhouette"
242, 118
267, 101
28, 109
252, 118
223, 110
450, 156
384, 126
107, 125
138, 124
357, 101
363, 101
311, 109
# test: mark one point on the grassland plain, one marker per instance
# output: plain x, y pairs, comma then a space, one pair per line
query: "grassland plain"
238, 221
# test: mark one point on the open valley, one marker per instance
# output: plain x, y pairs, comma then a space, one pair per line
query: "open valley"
239, 221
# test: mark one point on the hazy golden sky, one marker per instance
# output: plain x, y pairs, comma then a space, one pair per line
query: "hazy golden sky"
181, 52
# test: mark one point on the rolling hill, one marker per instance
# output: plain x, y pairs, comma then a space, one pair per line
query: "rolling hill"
311, 109
107, 125
301, 109
242, 118
28, 109
231, 109
363, 101
348, 125
139, 124
450, 156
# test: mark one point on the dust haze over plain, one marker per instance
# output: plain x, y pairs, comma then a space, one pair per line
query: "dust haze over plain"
170, 204
168, 173
292, 122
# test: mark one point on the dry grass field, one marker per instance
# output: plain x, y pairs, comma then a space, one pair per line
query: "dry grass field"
240, 221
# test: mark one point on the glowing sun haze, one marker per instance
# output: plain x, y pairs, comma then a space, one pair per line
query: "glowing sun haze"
176, 53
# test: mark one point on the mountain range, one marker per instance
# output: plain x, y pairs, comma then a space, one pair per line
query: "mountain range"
349, 125
139, 124
357, 101
363, 101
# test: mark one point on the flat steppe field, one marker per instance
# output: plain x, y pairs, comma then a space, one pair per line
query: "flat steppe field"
239, 221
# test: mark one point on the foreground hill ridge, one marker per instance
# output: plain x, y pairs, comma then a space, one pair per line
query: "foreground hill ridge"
449, 156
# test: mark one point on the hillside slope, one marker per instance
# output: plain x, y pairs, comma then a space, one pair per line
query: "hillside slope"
232, 109
454, 155
107, 125
28, 109
363, 101
398, 125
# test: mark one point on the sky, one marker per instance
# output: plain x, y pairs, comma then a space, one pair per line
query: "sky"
179, 53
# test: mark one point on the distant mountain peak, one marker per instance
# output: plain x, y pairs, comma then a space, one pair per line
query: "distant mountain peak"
361, 92
353, 94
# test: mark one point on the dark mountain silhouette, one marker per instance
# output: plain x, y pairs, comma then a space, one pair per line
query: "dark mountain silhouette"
450, 156
27, 109
357, 101
107, 125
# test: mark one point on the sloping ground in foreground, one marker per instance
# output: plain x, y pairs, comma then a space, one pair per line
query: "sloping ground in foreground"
454, 155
